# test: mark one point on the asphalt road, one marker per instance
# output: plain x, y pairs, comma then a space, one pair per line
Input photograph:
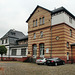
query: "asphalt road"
21, 68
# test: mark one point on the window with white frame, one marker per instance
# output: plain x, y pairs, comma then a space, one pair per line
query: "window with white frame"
70, 32
35, 49
14, 51
41, 34
41, 49
34, 35
23, 51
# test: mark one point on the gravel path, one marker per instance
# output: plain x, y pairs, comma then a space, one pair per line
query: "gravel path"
20, 68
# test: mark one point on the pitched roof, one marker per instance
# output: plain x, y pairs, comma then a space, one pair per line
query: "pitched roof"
62, 9
24, 38
14, 34
52, 12
35, 10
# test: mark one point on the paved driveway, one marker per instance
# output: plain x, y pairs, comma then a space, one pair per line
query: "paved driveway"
20, 68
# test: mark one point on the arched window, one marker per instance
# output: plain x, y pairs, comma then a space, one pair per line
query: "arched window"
35, 49
41, 49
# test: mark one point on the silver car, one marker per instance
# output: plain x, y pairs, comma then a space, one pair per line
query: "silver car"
41, 61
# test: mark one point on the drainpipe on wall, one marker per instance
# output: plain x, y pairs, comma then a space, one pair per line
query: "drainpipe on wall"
51, 37
71, 56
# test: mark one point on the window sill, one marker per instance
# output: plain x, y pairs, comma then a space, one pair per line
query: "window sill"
34, 26
41, 24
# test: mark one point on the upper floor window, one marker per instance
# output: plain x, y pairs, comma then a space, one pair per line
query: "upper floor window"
70, 19
13, 33
34, 35
67, 44
41, 34
2, 41
40, 21
35, 23
43, 20
6, 41
70, 32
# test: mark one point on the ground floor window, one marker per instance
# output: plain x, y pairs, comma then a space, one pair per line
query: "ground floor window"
23, 51
34, 49
14, 51
41, 49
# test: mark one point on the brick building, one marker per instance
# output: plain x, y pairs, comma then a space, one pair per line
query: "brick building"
51, 33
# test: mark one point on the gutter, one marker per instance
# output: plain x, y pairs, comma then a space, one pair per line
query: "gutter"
51, 37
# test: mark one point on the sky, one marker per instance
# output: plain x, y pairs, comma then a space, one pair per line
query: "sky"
14, 13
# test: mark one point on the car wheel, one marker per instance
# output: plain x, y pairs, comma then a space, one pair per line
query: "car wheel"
44, 63
56, 64
38, 64
63, 63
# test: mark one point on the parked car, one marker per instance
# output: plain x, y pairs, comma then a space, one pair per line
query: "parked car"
55, 61
41, 61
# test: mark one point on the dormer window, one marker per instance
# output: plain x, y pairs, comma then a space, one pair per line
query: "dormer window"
12, 33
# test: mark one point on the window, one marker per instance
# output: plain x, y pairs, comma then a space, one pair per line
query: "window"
2, 41
33, 23
40, 21
41, 49
6, 41
34, 49
70, 32
70, 19
36, 22
41, 34
43, 20
34, 35
23, 51
14, 51
67, 44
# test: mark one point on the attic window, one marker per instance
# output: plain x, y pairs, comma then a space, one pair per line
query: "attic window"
70, 19
12, 33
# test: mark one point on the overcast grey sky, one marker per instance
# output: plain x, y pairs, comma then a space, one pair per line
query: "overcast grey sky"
14, 13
